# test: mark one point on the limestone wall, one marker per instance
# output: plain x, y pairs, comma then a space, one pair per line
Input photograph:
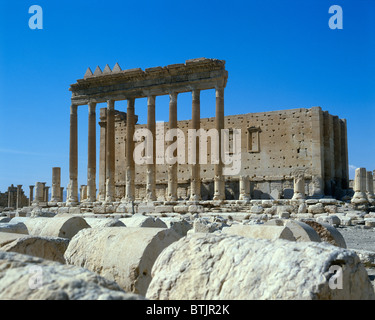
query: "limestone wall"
274, 145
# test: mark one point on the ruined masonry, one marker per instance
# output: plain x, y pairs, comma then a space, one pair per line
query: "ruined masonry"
275, 146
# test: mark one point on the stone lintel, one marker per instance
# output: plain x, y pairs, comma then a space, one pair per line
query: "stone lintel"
202, 74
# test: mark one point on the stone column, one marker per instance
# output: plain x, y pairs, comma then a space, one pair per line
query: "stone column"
329, 157
244, 188
10, 196
172, 168
344, 154
219, 182
317, 150
110, 152
44, 191
130, 165
19, 192
102, 153
337, 150
91, 154
370, 187
46, 196
81, 193
62, 193
73, 158
56, 184
299, 187
39, 193
84, 193
31, 195
195, 184
359, 197
151, 168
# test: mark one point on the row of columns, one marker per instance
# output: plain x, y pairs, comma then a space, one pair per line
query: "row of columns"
42, 191
15, 196
195, 194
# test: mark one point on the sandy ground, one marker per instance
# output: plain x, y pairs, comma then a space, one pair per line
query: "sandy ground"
357, 237
360, 238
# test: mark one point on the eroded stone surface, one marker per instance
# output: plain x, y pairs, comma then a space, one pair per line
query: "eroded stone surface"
125, 255
233, 267
23, 277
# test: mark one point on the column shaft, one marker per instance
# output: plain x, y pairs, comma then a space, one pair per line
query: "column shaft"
62, 193
31, 195
172, 168
151, 168
56, 182
46, 194
195, 184
39, 193
110, 152
360, 180
91, 154
9, 197
130, 165
219, 193
102, 154
18, 202
73, 157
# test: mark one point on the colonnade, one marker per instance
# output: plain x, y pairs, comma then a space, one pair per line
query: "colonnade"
195, 190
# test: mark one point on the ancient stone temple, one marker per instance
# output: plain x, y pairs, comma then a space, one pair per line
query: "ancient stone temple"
267, 150
276, 147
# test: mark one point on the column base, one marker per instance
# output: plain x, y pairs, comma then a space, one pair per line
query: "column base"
244, 197
359, 198
298, 196
72, 203
217, 197
195, 198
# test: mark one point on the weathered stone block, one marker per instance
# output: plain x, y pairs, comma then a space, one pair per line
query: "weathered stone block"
63, 227
370, 222
125, 255
327, 233
233, 267
204, 225
138, 221
181, 209
330, 209
162, 208
49, 248
196, 208
327, 201
59, 281
104, 222
19, 227
260, 232
256, 209
315, 208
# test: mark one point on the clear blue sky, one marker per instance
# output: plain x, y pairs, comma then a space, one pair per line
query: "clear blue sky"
280, 54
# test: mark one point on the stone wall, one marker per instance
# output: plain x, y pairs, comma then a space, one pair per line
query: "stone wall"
274, 145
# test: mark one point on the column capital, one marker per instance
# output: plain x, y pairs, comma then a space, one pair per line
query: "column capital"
92, 107
131, 102
219, 90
